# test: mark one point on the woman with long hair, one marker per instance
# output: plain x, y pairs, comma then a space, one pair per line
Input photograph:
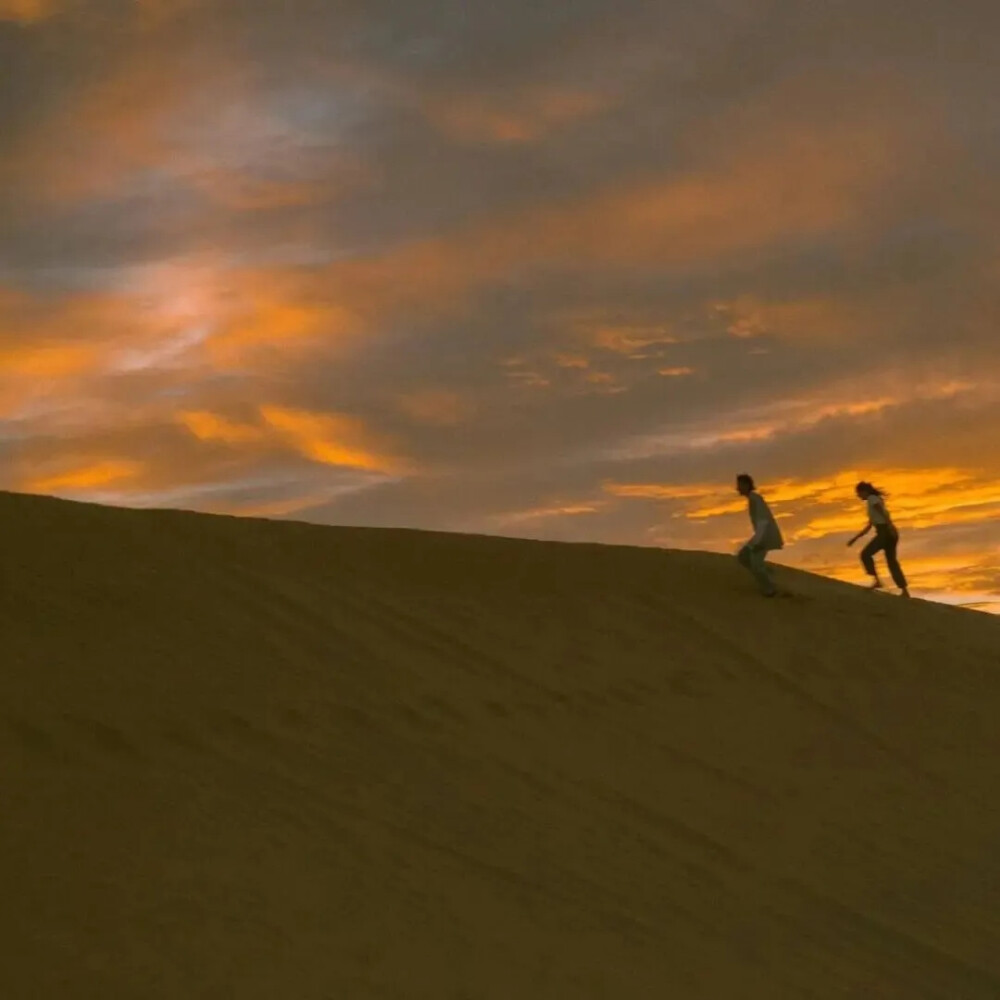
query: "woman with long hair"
886, 537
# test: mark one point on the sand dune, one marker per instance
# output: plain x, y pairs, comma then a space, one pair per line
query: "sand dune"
268, 760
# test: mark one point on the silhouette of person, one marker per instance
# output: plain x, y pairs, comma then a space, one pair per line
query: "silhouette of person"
886, 537
766, 536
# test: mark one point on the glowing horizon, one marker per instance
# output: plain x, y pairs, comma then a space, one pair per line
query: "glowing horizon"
560, 273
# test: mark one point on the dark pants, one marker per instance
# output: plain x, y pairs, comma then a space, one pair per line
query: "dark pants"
753, 560
885, 540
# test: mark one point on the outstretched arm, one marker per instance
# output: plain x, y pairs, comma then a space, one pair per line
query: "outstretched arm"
863, 531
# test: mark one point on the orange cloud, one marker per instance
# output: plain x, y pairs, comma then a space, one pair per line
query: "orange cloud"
715, 510
550, 510
211, 427
571, 361
825, 510
149, 11
188, 311
85, 477
947, 577
49, 351
250, 315
659, 491
267, 323
800, 184
27, 11
331, 439
629, 339
86, 146
605, 382
31, 323
205, 132
327, 438
920, 498
178, 316
48, 360
789, 416
520, 373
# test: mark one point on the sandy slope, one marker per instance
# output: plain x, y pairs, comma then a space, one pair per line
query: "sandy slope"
259, 760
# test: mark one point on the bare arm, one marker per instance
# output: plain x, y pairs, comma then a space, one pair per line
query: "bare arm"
863, 531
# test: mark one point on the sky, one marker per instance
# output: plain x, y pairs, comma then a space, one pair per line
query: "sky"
542, 269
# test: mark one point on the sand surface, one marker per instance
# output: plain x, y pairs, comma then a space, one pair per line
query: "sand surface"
273, 761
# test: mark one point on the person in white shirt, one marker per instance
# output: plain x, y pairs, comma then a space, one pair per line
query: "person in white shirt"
766, 536
886, 537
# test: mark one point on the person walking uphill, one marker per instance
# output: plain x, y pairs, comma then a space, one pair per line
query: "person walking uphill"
886, 537
766, 536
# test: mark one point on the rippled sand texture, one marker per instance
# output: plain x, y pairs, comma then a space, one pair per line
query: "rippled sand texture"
274, 761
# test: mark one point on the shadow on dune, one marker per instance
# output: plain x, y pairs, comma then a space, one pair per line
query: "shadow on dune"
259, 759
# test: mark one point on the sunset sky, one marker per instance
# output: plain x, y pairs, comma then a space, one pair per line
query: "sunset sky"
539, 268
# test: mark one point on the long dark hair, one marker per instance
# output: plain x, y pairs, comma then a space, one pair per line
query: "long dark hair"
868, 488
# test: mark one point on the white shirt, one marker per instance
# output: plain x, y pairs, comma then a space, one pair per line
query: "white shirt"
766, 531
877, 513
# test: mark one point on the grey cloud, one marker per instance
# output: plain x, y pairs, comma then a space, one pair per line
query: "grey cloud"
355, 99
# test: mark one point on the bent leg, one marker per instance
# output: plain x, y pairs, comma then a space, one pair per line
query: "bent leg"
868, 556
754, 561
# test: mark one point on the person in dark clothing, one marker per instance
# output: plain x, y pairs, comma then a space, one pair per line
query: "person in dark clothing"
766, 536
886, 537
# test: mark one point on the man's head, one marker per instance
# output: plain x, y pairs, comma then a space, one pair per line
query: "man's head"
744, 483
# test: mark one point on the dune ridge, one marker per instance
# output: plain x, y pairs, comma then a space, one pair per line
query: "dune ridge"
267, 759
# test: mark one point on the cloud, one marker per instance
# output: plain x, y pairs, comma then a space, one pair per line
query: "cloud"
335, 439
772, 420
512, 118
148, 12
926, 497
27, 11
922, 501
437, 407
47, 360
86, 477
558, 270
212, 427
555, 510
684, 221
332, 439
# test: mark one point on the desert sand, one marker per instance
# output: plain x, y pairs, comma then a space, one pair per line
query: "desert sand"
280, 761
